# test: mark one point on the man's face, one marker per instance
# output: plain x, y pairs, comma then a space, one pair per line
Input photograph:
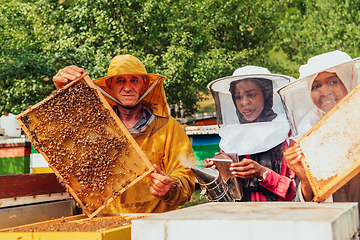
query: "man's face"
249, 99
327, 90
127, 88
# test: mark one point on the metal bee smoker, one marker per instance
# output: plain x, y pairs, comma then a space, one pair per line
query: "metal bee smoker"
214, 188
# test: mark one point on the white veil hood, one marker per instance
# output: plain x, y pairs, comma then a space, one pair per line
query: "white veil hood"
254, 137
296, 96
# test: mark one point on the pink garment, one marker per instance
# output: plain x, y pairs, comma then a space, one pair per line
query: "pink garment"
282, 185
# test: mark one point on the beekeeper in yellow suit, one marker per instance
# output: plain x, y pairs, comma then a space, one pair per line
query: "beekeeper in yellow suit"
138, 98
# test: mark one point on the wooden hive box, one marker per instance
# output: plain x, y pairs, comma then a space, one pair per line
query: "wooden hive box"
103, 227
331, 147
85, 143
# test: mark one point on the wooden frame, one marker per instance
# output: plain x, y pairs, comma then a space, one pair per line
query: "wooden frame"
123, 233
129, 167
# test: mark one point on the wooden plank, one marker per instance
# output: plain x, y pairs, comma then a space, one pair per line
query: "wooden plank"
18, 201
19, 185
123, 233
34, 213
9, 151
14, 142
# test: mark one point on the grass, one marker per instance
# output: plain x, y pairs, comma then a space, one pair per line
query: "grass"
196, 199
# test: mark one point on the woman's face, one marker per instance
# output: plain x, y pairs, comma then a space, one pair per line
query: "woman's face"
327, 90
249, 99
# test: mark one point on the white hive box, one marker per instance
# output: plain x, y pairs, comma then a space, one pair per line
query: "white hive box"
252, 221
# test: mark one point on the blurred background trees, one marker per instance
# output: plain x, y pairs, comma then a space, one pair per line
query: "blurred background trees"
189, 42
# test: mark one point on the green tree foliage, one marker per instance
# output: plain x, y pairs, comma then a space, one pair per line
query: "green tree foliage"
312, 27
190, 42
23, 63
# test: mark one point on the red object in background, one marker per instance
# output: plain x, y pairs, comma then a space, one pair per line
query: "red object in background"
18, 185
205, 122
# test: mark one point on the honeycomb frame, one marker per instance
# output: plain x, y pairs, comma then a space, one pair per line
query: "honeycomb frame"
86, 144
79, 224
336, 126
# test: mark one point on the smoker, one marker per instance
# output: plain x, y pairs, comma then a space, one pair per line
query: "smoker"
215, 188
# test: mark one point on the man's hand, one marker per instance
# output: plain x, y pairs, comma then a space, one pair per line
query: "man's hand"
247, 168
160, 183
67, 75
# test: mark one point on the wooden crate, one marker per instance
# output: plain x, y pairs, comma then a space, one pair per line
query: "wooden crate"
22, 189
85, 143
332, 147
103, 227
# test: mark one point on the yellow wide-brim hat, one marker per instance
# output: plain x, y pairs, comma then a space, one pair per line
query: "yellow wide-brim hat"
130, 65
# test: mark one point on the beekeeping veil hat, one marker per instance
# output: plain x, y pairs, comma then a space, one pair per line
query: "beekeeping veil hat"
239, 135
296, 96
153, 97
334, 62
